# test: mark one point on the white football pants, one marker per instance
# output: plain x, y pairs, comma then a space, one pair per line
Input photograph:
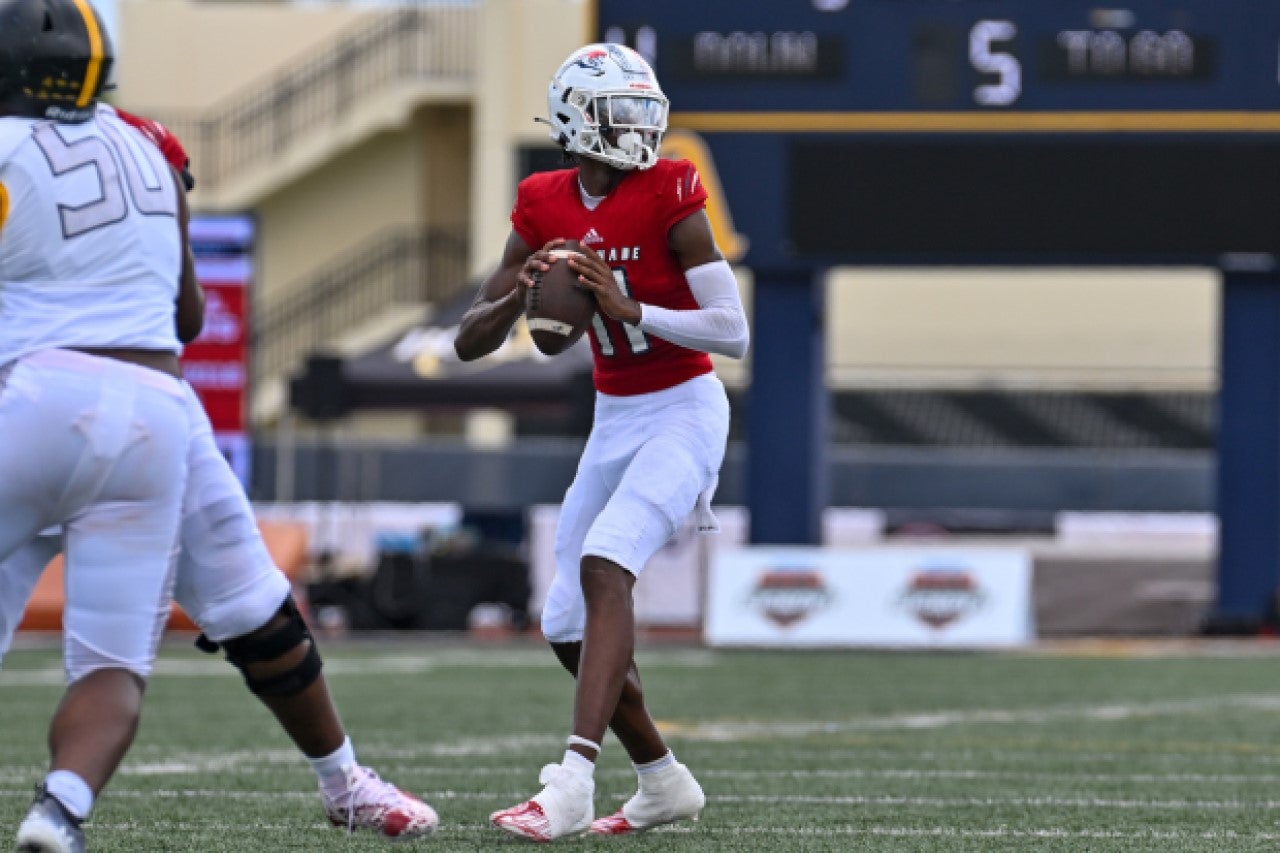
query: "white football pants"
648, 458
226, 580
100, 447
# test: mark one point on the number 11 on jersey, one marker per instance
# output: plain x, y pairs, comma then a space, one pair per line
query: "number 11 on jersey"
636, 340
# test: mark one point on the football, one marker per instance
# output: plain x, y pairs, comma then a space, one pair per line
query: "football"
558, 310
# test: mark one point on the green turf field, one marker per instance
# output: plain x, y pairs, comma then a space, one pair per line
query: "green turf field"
797, 751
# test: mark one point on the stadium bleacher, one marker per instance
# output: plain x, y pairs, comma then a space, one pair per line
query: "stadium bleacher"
1151, 419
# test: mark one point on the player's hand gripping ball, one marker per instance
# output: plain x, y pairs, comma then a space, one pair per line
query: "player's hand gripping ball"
558, 308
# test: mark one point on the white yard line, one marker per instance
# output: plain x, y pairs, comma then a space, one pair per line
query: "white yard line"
959, 832
407, 663
401, 761
1001, 775
733, 730
201, 766
988, 802
1101, 803
1199, 754
748, 831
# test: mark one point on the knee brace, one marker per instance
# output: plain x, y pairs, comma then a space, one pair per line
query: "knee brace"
268, 644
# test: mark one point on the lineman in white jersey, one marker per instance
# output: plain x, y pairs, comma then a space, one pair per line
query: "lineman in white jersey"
93, 265
229, 585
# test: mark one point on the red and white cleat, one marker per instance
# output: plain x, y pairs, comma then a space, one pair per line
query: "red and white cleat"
667, 796
370, 803
563, 807
614, 824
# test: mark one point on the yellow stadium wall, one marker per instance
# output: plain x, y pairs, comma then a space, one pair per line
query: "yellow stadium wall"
183, 55
336, 209
525, 43
1091, 328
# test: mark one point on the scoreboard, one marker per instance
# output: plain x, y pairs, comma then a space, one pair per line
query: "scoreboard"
811, 55
976, 131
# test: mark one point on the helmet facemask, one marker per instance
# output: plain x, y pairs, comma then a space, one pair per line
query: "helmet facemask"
622, 129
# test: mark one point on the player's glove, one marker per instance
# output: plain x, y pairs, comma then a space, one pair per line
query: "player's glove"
163, 139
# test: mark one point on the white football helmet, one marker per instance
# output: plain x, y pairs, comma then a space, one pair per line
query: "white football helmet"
605, 103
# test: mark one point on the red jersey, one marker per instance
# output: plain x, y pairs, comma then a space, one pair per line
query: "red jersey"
628, 230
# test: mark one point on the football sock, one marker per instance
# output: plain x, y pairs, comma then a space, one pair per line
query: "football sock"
73, 792
331, 769
579, 764
662, 763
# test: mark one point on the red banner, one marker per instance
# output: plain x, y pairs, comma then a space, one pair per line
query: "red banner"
217, 363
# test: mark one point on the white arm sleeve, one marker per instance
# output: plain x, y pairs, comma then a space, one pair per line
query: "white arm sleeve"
717, 325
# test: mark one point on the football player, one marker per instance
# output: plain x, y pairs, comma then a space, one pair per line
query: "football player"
232, 589
666, 299
93, 265
228, 584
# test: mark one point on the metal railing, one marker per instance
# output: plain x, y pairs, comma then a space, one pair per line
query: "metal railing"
399, 266
260, 123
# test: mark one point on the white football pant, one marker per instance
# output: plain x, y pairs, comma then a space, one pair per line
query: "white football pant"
647, 459
100, 447
226, 580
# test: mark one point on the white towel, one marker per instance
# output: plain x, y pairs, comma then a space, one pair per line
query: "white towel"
704, 519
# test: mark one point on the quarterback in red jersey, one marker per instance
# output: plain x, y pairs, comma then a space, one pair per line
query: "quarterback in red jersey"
666, 299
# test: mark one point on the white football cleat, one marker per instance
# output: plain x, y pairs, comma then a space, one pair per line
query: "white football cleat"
669, 795
563, 807
49, 827
373, 804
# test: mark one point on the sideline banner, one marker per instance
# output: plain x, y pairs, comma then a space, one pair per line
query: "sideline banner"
217, 363
886, 597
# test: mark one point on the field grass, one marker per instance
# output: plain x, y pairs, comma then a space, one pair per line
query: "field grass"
797, 751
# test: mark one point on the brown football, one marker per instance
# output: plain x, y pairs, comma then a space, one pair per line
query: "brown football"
558, 310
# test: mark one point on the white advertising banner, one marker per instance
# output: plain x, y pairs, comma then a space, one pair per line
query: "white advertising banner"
885, 596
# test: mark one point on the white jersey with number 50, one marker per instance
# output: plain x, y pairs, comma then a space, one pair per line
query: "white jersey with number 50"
90, 252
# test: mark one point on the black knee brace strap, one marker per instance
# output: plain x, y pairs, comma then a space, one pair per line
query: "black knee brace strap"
258, 647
